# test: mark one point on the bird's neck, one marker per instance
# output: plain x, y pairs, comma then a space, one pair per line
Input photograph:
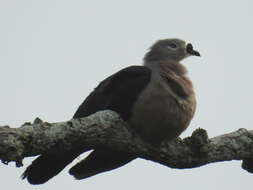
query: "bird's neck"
169, 67
174, 74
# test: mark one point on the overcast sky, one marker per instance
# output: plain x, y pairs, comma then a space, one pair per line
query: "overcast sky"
54, 52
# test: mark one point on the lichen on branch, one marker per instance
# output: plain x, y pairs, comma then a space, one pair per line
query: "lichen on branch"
107, 129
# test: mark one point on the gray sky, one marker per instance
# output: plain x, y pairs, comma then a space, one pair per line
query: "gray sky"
54, 52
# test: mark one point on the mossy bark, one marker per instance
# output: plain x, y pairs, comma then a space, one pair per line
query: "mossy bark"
107, 129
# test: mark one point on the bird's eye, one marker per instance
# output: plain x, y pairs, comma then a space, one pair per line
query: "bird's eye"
172, 45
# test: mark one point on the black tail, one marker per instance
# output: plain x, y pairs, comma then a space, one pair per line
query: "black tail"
47, 166
100, 160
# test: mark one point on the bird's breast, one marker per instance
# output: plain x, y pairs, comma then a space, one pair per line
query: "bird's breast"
159, 113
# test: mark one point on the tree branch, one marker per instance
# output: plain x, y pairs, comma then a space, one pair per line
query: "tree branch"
107, 129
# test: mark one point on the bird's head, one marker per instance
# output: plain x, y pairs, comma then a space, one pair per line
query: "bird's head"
170, 50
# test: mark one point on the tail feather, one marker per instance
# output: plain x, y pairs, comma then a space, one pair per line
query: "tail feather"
47, 166
99, 160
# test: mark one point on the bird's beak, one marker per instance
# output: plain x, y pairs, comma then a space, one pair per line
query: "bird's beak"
191, 51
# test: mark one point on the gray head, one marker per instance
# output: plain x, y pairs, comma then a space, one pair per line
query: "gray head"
170, 50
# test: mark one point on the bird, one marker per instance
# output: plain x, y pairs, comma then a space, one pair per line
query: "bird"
156, 99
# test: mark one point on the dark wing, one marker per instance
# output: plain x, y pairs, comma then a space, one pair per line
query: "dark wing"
118, 92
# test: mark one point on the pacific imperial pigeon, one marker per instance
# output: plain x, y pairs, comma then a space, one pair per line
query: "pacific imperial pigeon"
157, 100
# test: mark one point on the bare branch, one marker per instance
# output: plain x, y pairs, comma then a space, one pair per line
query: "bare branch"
107, 129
